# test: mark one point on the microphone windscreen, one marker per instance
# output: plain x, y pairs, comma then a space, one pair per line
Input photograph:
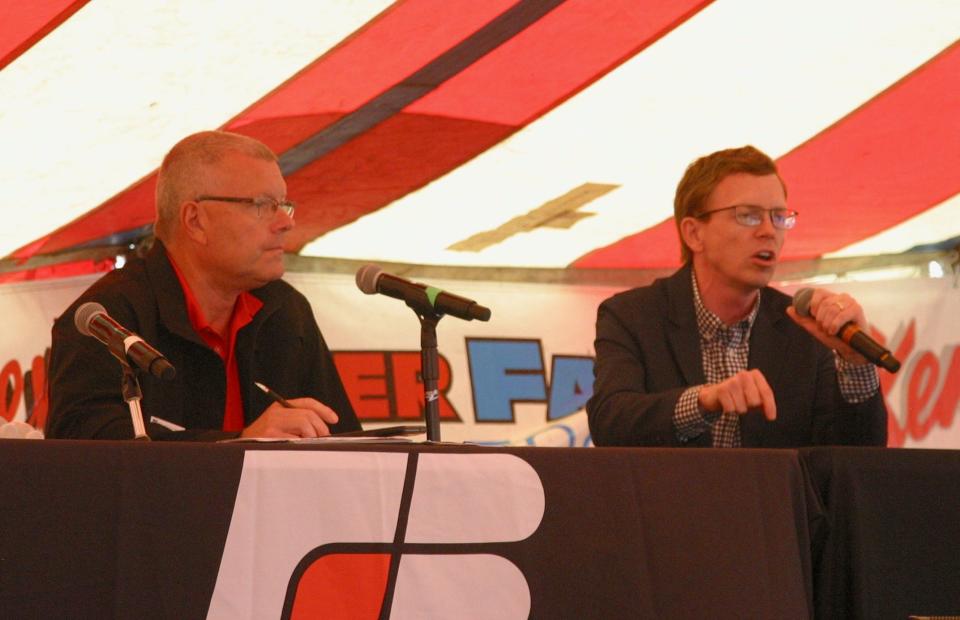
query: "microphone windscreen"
367, 277
801, 301
84, 315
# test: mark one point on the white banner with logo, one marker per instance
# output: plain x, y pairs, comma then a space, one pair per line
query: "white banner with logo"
460, 506
524, 376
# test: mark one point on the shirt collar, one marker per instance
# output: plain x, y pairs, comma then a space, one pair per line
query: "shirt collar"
243, 311
710, 325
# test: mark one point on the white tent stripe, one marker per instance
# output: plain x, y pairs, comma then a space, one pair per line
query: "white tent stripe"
94, 105
771, 74
935, 224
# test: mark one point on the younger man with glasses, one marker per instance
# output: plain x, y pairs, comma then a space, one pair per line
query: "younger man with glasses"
208, 296
712, 356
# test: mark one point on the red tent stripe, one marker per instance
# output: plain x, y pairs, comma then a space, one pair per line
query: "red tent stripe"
425, 80
388, 49
132, 208
22, 24
567, 50
372, 60
892, 158
411, 149
579, 43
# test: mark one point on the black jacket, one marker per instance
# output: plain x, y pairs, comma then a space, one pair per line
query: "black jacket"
648, 353
282, 347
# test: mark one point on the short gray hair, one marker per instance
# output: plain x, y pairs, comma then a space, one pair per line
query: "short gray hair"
183, 168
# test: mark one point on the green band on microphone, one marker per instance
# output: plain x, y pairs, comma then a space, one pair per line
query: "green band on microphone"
432, 293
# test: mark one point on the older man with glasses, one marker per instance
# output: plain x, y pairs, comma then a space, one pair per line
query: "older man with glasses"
712, 356
208, 296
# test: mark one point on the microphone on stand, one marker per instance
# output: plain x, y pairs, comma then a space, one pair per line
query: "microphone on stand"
430, 305
92, 319
371, 279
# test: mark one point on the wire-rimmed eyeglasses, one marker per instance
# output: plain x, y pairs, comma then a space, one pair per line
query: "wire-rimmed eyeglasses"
752, 215
264, 204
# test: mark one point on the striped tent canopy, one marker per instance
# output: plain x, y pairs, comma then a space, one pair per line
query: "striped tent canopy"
498, 133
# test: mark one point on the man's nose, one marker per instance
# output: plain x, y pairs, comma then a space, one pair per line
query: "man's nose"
282, 221
766, 227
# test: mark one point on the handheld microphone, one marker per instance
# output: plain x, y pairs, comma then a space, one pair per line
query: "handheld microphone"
851, 334
92, 319
422, 298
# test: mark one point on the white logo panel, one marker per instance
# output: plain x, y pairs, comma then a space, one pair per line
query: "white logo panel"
466, 587
463, 498
291, 502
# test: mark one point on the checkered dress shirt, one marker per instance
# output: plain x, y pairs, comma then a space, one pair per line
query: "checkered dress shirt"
725, 351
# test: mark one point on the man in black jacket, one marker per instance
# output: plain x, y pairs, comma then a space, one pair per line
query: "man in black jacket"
208, 296
712, 356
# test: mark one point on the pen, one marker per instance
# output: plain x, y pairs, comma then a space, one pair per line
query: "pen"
167, 424
276, 397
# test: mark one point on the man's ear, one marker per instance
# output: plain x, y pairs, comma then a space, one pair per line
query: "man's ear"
692, 233
194, 222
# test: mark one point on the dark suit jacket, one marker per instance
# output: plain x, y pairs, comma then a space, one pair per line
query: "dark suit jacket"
648, 353
282, 347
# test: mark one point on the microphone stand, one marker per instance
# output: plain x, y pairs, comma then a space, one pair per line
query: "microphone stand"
430, 372
130, 386
429, 364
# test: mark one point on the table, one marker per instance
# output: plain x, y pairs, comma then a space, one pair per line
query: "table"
891, 548
129, 529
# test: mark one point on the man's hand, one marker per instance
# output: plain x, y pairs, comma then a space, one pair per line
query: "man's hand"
828, 313
307, 418
745, 391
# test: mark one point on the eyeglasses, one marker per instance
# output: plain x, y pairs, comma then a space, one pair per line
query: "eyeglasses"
752, 215
264, 204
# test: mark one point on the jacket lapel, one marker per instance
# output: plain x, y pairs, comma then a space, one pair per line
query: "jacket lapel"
768, 350
171, 303
682, 332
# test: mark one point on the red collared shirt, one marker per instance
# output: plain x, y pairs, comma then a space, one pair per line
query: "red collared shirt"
243, 312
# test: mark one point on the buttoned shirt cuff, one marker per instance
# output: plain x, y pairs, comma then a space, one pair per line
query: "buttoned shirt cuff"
857, 382
688, 420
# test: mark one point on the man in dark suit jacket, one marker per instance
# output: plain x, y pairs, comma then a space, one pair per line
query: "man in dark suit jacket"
209, 297
712, 356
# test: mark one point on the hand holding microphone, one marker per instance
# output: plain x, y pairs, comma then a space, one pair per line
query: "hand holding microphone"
836, 320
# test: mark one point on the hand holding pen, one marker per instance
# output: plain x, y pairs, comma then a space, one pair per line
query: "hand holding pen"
276, 397
389, 431
296, 417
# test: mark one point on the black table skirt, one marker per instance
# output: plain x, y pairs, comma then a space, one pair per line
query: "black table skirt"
125, 529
